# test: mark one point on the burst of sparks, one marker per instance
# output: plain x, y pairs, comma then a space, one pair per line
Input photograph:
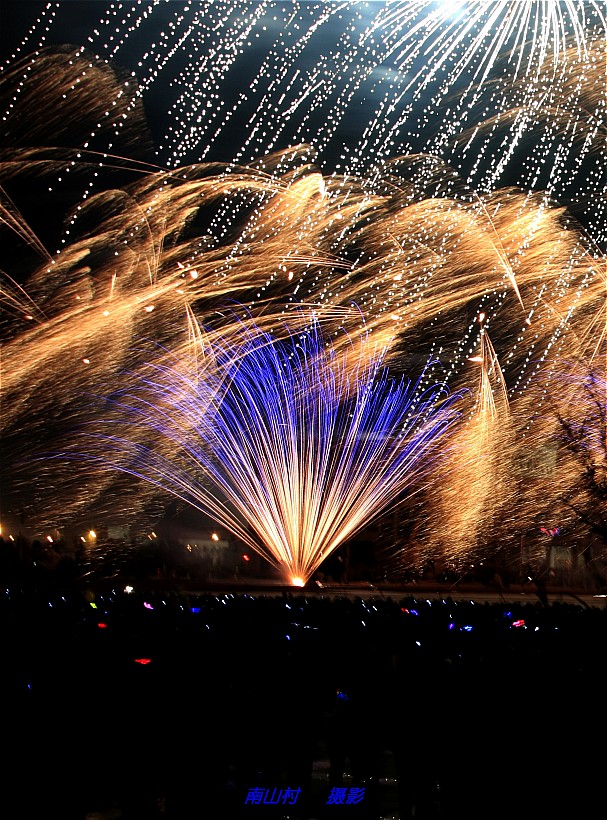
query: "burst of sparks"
285, 443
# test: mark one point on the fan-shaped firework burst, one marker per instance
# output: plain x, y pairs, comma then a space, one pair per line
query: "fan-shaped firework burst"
292, 447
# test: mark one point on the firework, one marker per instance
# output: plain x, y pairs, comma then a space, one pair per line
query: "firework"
392, 171
284, 442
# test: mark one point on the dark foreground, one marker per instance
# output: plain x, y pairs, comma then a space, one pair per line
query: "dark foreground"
268, 703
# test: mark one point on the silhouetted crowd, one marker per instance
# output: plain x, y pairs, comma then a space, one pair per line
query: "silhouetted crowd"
189, 706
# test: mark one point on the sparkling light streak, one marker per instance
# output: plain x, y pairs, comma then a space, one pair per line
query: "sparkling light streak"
498, 89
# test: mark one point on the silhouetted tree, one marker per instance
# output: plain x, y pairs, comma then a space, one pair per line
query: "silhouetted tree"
582, 465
